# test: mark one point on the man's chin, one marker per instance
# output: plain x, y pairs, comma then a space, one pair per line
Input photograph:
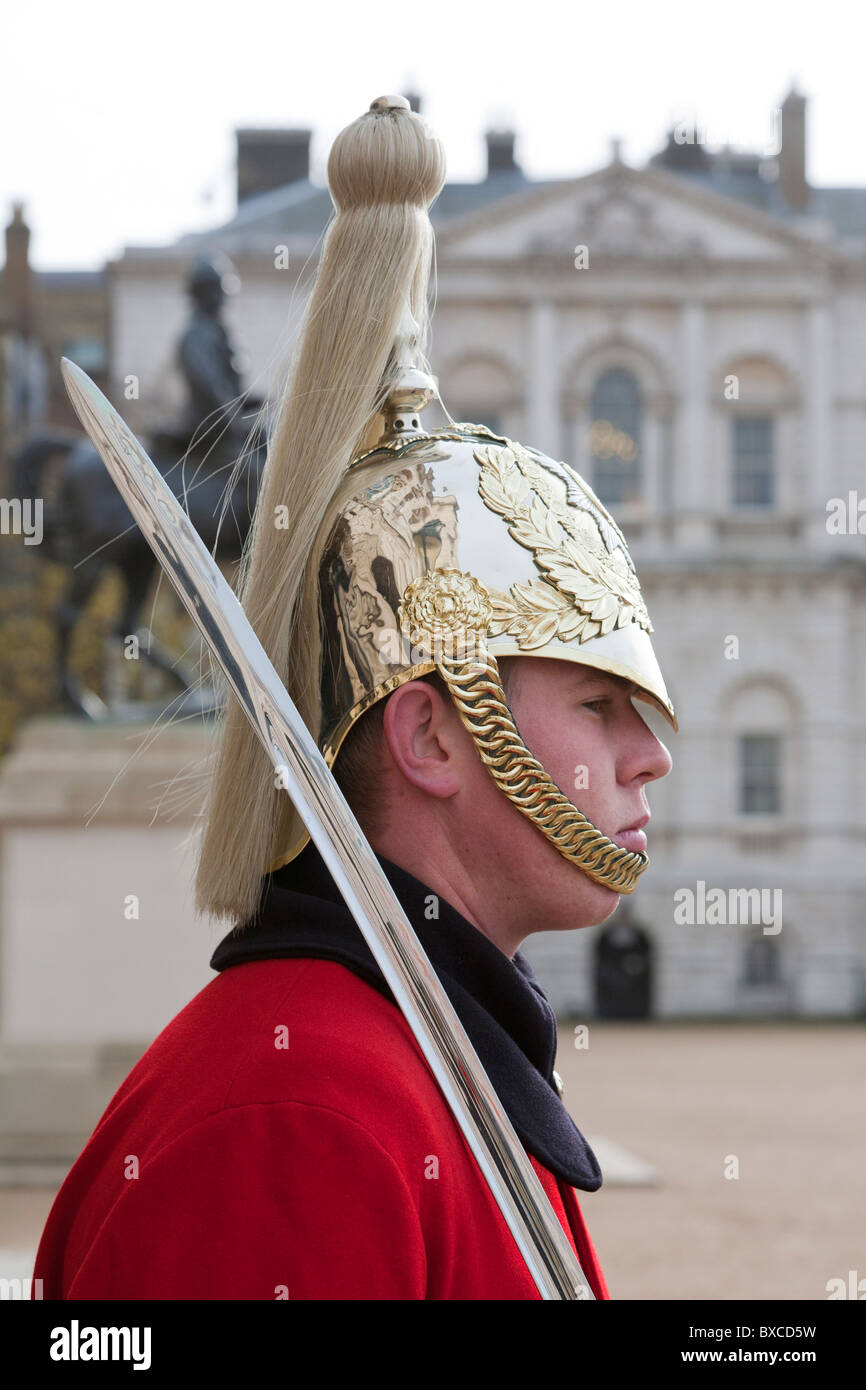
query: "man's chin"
613, 900
589, 906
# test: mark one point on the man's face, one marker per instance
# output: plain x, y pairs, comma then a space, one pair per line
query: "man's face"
446, 821
583, 728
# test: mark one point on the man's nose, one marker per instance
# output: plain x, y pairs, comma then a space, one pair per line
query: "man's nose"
649, 758
660, 761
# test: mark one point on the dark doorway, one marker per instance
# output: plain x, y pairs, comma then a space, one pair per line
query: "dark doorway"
623, 972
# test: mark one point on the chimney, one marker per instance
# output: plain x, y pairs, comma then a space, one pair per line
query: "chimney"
684, 152
500, 152
270, 159
18, 274
792, 155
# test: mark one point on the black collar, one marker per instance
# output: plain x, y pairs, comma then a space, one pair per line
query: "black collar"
498, 1000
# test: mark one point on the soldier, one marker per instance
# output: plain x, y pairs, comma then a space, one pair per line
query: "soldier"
459, 621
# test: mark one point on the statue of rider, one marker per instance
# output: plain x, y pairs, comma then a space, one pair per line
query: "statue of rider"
206, 356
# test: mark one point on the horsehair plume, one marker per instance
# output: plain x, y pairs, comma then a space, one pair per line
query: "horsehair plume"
384, 171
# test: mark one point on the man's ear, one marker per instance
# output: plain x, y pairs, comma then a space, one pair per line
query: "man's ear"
422, 732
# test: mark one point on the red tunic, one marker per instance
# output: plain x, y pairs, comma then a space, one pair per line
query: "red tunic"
283, 1137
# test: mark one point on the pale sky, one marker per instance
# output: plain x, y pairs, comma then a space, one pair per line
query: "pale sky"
118, 119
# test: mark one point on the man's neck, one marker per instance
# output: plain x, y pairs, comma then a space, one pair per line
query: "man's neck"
446, 876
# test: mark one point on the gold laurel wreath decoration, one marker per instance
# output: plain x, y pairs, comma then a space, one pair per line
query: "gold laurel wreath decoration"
588, 585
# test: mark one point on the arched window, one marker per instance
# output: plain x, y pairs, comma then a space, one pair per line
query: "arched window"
615, 429
623, 971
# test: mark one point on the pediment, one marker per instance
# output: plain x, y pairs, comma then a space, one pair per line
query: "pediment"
620, 211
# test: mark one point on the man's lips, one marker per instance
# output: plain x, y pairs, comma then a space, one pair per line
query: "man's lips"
631, 837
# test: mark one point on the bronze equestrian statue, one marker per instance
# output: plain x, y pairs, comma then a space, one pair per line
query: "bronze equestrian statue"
88, 527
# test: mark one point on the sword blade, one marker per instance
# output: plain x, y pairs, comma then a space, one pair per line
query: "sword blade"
337, 835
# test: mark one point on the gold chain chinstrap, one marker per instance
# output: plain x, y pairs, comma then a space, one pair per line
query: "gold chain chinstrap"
476, 688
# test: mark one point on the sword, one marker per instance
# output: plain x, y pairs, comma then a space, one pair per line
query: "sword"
356, 871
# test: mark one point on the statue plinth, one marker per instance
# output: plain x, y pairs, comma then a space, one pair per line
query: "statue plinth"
98, 937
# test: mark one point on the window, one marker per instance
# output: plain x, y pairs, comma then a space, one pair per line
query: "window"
615, 437
759, 774
752, 461
761, 961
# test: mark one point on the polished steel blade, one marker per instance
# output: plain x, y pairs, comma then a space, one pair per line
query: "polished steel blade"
337, 835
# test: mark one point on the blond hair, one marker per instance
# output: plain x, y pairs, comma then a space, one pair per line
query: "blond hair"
384, 171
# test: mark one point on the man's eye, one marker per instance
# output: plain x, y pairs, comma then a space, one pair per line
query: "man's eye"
590, 704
